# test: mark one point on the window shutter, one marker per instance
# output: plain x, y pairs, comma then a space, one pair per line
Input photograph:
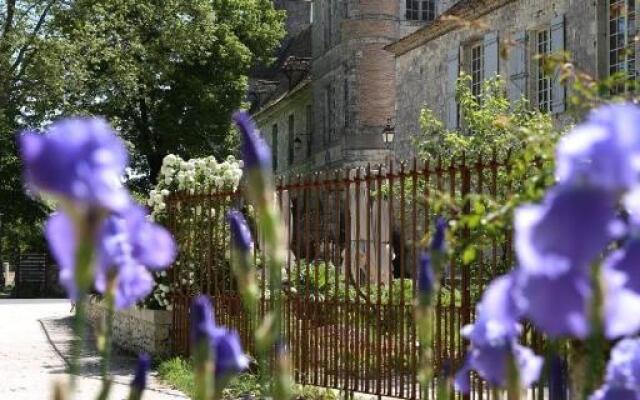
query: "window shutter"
557, 45
633, 33
491, 55
451, 104
517, 86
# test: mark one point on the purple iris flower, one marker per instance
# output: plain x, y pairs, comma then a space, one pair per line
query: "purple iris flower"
240, 233
622, 380
426, 277
604, 151
225, 344
627, 261
127, 246
202, 319
492, 364
139, 382
622, 289
493, 340
615, 393
623, 369
498, 315
438, 242
621, 305
566, 232
557, 304
229, 357
255, 151
80, 161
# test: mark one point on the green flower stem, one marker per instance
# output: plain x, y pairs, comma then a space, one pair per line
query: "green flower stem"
83, 279
60, 391
444, 388
106, 389
249, 292
594, 368
269, 335
135, 394
245, 275
106, 335
424, 322
204, 372
424, 318
514, 387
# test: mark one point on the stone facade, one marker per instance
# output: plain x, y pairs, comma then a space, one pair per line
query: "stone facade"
353, 78
287, 125
136, 330
509, 32
351, 82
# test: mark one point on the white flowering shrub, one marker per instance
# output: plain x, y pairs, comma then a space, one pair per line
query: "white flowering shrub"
193, 176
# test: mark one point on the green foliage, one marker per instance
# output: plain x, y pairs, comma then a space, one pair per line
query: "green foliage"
490, 124
492, 129
31, 71
178, 373
320, 281
167, 74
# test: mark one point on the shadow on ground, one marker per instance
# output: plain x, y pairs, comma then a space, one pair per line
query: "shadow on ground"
60, 334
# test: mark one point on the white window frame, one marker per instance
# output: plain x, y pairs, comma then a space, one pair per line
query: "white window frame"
420, 10
622, 55
543, 79
476, 67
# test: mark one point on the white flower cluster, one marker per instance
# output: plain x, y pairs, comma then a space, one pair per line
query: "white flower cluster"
161, 292
193, 175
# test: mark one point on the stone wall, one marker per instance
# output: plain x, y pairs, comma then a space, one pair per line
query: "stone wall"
136, 330
421, 73
294, 103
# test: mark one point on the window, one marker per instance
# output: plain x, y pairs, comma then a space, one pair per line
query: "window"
291, 137
309, 128
274, 146
420, 10
329, 116
477, 69
346, 103
543, 78
328, 23
621, 32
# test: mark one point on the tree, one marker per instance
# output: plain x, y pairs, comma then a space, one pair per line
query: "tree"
32, 67
169, 73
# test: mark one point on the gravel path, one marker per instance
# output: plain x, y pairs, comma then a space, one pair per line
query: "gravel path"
35, 342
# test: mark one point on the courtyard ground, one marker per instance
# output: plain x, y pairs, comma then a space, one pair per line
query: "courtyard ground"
35, 343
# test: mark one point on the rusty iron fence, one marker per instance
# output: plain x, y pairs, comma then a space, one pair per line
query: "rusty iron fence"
349, 280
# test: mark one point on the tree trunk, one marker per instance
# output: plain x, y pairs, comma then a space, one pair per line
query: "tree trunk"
155, 164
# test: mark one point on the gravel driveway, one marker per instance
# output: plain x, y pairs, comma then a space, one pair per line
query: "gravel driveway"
35, 340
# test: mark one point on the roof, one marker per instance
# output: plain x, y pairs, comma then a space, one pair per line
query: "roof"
292, 66
461, 12
275, 100
297, 45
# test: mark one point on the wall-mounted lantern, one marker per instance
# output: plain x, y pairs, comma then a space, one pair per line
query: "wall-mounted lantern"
388, 134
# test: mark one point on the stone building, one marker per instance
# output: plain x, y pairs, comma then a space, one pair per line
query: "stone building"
333, 113
503, 37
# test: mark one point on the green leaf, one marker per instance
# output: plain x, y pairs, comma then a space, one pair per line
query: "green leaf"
469, 255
